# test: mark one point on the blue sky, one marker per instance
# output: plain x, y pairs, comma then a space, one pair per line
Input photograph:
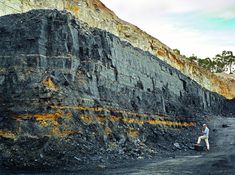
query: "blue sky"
200, 27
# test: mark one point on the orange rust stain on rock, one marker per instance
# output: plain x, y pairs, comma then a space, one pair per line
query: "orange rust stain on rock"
58, 132
161, 53
48, 116
72, 5
49, 84
170, 123
50, 121
133, 120
114, 118
7, 134
133, 133
141, 118
101, 118
107, 131
87, 119
40, 117
46, 119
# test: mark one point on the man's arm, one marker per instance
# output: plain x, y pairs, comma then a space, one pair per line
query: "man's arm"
203, 131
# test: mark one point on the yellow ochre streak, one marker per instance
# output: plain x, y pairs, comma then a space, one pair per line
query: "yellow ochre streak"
88, 119
58, 129
7, 134
101, 118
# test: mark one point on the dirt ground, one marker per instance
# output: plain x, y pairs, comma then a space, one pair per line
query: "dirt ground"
219, 160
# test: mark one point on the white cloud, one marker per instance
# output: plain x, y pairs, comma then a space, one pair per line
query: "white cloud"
160, 19
215, 7
226, 14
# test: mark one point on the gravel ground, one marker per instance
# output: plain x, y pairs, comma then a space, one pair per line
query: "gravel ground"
220, 159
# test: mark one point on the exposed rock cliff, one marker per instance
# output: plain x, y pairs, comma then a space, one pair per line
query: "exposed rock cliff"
71, 94
96, 14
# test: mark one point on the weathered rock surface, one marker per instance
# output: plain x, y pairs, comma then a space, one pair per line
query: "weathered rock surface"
96, 14
73, 95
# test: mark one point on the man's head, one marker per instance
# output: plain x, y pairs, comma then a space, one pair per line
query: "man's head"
204, 125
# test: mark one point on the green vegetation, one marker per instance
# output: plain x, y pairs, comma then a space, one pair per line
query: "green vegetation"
223, 62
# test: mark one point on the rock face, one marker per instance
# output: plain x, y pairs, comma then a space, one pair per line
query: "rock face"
72, 95
96, 14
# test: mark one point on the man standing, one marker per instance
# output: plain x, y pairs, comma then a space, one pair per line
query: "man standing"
205, 136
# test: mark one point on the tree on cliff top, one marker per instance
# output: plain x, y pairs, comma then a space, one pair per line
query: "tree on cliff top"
225, 61
220, 63
208, 64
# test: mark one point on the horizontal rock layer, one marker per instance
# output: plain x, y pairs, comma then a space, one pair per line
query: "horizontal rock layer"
71, 94
96, 14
